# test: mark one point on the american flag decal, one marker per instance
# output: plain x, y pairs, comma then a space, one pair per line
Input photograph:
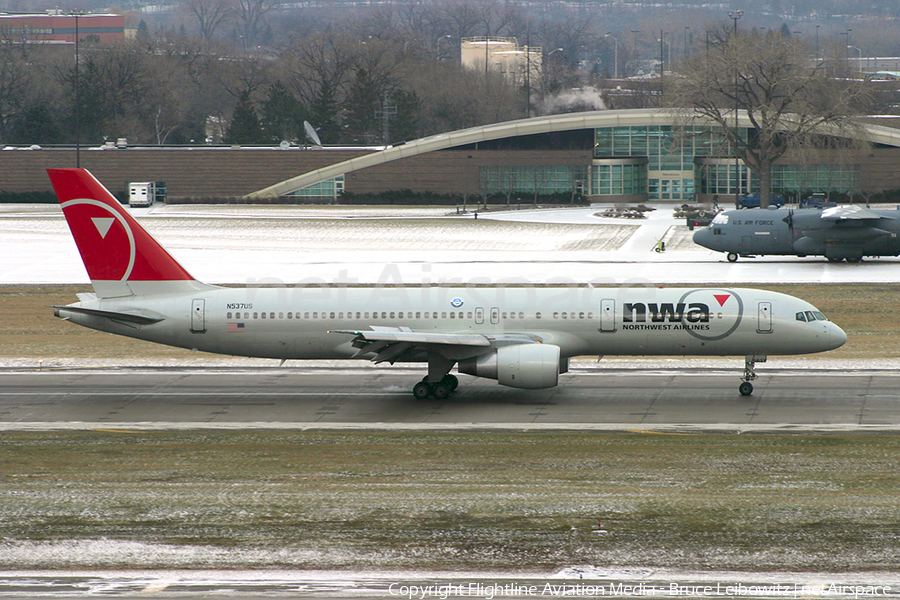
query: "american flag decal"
235, 328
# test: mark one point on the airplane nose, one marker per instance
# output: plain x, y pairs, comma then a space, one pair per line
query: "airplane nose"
701, 237
836, 336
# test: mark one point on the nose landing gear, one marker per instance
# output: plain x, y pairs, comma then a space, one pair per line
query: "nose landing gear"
746, 388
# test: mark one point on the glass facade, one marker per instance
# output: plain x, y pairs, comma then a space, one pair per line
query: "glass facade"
667, 147
330, 189
718, 177
670, 151
818, 178
618, 179
677, 158
544, 179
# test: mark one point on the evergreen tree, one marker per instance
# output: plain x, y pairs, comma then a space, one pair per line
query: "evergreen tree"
283, 115
35, 125
244, 127
324, 113
360, 106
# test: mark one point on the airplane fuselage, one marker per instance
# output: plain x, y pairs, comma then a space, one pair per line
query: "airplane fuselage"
801, 232
300, 322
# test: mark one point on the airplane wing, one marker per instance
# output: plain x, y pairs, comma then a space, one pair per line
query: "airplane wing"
405, 334
851, 213
389, 343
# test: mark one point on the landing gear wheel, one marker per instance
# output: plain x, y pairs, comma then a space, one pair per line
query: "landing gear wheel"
421, 390
746, 388
440, 390
451, 382
834, 259
732, 257
855, 259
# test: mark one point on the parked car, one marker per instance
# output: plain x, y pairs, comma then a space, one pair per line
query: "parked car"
752, 200
817, 200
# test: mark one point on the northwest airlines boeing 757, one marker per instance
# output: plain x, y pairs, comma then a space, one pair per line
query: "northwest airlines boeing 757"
522, 337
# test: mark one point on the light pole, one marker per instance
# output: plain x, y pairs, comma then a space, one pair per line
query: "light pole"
615, 54
734, 15
77, 13
859, 63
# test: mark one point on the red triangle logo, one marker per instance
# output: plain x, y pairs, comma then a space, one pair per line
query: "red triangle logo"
722, 298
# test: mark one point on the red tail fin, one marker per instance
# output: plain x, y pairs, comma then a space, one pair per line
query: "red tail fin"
118, 253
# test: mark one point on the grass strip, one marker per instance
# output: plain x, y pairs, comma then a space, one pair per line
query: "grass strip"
451, 500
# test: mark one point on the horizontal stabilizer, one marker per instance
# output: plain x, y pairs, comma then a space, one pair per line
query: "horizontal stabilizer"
127, 317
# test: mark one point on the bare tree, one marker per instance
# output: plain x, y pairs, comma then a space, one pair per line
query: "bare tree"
773, 81
248, 15
210, 15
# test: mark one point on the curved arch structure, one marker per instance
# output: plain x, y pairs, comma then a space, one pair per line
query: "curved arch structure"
536, 125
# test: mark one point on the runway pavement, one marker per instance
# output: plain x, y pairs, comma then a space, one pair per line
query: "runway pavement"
365, 397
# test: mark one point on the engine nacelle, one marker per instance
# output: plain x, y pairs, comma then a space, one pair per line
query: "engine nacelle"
529, 366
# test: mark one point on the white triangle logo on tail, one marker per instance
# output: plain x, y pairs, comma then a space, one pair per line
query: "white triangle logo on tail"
102, 224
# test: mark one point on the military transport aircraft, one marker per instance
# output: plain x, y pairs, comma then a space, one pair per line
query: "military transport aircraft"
837, 233
520, 336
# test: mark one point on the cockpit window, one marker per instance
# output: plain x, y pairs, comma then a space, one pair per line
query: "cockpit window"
720, 219
810, 315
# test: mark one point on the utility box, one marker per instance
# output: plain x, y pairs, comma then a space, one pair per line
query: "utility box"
141, 193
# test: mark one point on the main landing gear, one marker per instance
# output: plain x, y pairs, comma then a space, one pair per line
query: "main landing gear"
439, 390
746, 388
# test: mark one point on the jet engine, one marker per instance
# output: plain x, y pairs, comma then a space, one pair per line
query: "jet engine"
529, 366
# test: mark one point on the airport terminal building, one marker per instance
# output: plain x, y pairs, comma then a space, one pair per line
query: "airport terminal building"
617, 156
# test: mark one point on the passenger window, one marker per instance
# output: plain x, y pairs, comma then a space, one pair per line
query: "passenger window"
427, 315
281, 315
418, 315
434, 315
556, 315
580, 315
461, 313
537, 315
443, 315
227, 315
469, 315
453, 315
255, 315
306, 315
332, 315
263, 315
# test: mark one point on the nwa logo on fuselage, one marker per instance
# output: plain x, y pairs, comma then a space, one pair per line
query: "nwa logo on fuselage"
691, 314
667, 312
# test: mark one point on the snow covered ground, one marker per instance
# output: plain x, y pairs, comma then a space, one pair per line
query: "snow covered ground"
295, 245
